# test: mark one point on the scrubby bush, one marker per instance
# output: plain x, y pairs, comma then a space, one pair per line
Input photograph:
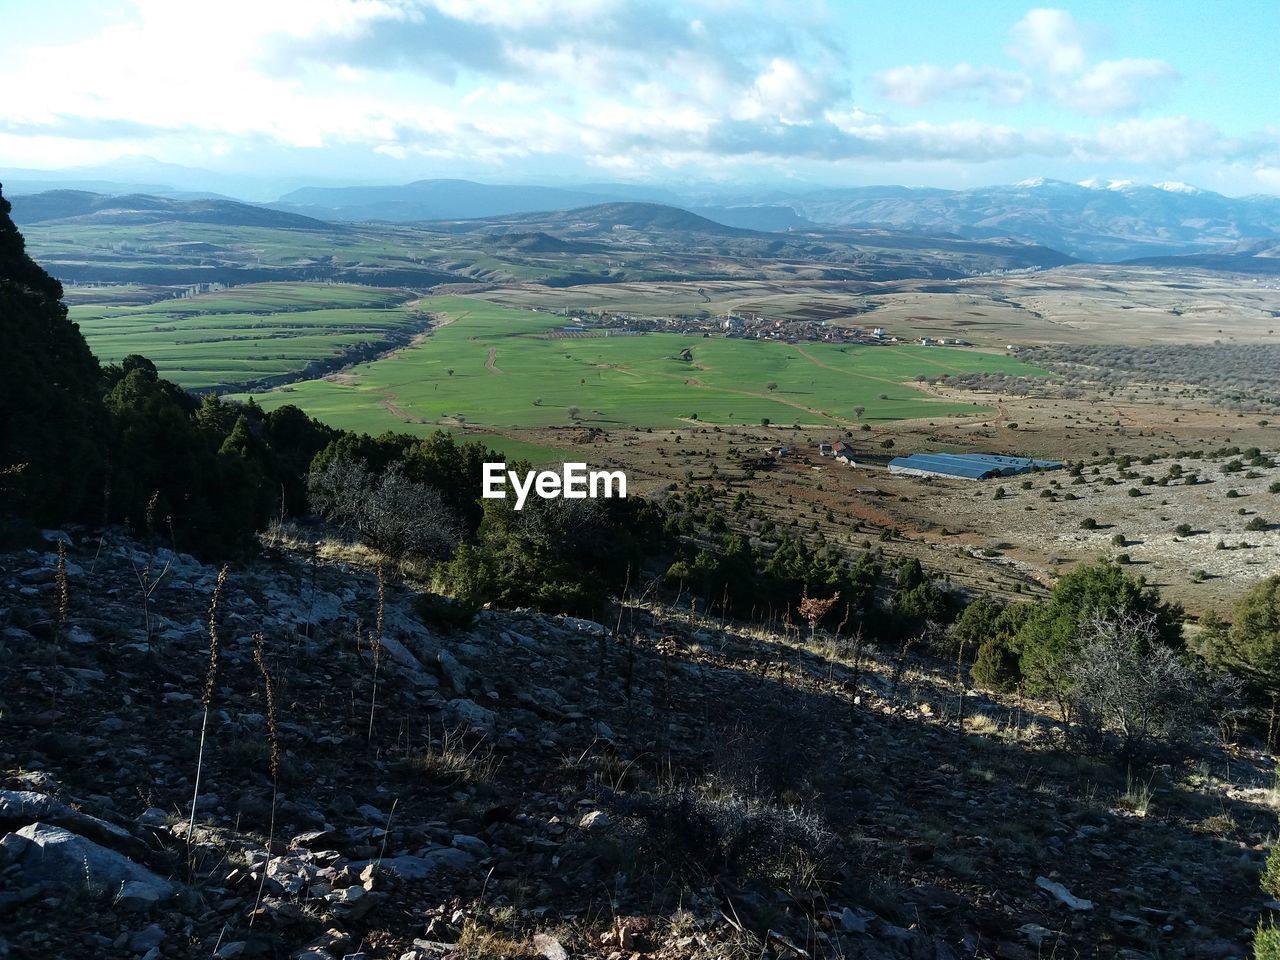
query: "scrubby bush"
986, 619
1250, 650
707, 829
1270, 880
1050, 639
1266, 940
996, 666
560, 556
446, 614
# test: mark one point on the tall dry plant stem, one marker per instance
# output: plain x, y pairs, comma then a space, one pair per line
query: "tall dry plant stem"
274, 732
376, 647
63, 587
210, 680
148, 580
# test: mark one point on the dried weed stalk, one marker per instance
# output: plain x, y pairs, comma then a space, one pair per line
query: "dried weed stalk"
210, 681
273, 732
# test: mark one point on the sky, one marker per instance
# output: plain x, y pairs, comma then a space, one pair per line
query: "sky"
768, 95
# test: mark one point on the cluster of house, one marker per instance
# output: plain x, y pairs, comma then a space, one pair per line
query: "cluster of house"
747, 325
756, 327
839, 451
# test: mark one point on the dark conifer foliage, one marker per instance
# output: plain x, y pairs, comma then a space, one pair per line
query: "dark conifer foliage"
52, 436
81, 442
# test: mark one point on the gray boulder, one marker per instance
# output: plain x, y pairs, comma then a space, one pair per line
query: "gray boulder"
459, 677
22, 807
55, 855
471, 714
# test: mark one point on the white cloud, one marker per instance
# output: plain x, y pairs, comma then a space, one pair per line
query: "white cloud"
1052, 48
1162, 141
1118, 85
1047, 39
915, 84
597, 82
784, 92
519, 14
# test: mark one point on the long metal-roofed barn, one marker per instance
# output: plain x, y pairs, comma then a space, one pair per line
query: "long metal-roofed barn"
967, 466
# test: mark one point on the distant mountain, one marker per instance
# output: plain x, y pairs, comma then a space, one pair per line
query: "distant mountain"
430, 200
1093, 220
756, 216
426, 200
606, 219
127, 175
18, 187
83, 207
1097, 220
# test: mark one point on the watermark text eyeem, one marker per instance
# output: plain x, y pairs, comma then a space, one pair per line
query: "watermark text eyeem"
572, 482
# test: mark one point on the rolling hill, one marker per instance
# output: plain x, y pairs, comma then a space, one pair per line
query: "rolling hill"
843, 253
83, 207
1250, 256
609, 219
86, 237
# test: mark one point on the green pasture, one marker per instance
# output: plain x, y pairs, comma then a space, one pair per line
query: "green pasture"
242, 335
625, 380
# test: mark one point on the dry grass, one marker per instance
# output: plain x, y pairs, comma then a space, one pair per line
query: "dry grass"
328, 548
1136, 797
982, 724
452, 761
479, 943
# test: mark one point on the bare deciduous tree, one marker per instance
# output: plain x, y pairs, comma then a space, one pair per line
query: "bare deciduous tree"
1123, 679
389, 512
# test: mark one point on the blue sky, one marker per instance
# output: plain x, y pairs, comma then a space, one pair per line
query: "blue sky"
774, 94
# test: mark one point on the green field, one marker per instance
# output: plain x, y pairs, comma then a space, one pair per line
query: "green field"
622, 381
243, 335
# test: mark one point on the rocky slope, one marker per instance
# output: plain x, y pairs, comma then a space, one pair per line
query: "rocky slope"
535, 786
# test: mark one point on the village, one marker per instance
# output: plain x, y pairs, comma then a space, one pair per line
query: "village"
738, 324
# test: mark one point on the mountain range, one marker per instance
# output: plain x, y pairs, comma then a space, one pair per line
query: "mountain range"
1093, 220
